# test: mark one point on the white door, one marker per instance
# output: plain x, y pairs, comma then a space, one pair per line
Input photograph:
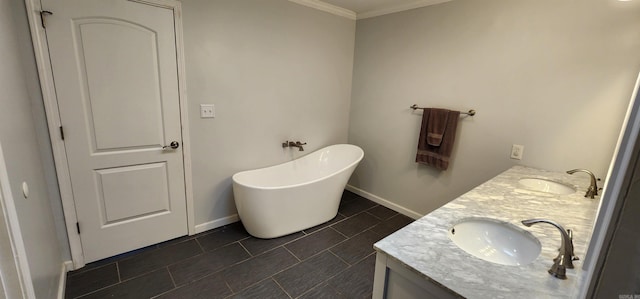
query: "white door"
116, 78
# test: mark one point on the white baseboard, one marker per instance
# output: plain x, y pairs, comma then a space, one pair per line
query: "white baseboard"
216, 223
62, 283
69, 266
384, 202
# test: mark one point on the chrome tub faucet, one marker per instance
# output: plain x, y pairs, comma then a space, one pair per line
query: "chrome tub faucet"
297, 144
565, 257
592, 191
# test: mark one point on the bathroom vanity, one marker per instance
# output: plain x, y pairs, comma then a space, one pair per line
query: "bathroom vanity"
421, 260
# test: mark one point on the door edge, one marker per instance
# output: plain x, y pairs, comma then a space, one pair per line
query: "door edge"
184, 112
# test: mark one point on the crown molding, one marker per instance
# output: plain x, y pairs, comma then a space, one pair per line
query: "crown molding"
398, 8
326, 7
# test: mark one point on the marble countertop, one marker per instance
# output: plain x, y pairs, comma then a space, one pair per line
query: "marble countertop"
424, 247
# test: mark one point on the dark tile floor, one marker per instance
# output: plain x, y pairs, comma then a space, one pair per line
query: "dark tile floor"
332, 260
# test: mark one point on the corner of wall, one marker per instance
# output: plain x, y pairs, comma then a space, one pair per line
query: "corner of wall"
203, 227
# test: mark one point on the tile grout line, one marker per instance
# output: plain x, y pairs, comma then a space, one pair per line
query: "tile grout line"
200, 245
228, 287
239, 241
170, 290
379, 217
245, 249
293, 254
280, 286
158, 268
272, 276
327, 226
318, 231
374, 216
82, 271
258, 282
328, 278
337, 231
150, 249
339, 258
105, 287
326, 282
118, 271
280, 245
322, 282
100, 289
172, 279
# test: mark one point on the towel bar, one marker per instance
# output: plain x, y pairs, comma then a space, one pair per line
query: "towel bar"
470, 113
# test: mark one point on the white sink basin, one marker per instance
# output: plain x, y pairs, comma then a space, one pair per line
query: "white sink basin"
547, 186
495, 241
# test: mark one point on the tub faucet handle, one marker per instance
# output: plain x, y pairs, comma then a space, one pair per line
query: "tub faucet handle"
297, 144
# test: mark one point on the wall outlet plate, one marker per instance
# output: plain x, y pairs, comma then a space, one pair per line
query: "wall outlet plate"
207, 111
517, 151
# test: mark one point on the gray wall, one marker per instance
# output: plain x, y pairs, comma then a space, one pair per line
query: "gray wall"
40, 122
276, 71
554, 76
21, 149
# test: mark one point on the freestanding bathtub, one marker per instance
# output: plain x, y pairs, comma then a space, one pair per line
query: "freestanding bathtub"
286, 198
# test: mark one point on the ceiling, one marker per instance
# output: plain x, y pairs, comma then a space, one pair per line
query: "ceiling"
371, 8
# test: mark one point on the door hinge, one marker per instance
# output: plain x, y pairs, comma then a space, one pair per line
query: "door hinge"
78, 227
61, 133
43, 14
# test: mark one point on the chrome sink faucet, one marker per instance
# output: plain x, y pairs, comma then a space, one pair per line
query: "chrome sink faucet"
592, 191
565, 257
297, 144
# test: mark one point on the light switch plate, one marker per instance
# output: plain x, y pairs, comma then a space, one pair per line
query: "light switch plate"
207, 111
517, 151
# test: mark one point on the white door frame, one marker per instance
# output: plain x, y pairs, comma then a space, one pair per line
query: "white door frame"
14, 266
616, 183
41, 49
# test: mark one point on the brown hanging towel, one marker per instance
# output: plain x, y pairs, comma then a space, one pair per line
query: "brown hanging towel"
437, 134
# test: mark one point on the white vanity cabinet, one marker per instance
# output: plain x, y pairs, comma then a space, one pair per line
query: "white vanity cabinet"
394, 281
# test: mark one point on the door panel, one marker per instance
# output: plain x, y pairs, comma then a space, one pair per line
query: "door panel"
131, 192
125, 55
116, 78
